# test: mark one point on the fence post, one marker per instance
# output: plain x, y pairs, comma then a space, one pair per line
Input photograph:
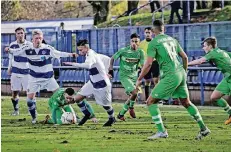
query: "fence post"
202, 86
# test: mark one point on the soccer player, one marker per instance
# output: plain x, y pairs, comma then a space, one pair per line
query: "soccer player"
222, 60
130, 58
99, 84
57, 106
18, 69
166, 50
154, 72
41, 74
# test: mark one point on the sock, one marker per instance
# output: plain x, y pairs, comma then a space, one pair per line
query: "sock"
156, 117
110, 111
223, 103
124, 110
83, 107
32, 107
131, 104
15, 104
146, 90
90, 109
193, 111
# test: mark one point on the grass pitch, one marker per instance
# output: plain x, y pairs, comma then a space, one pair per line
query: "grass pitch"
19, 134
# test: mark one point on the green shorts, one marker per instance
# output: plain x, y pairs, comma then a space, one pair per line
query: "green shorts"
128, 83
224, 86
172, 85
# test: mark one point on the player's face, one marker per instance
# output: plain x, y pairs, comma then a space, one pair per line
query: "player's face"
82, 50
135, 42
20, 36
148, 34
68, 98
206, 47
37, 40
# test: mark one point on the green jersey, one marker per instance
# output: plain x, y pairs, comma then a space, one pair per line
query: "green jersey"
221, 59
57, 99
129, 61
165, 50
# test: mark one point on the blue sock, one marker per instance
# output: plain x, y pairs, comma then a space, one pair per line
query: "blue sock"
15, 104
32, 107
83, 107
110, 111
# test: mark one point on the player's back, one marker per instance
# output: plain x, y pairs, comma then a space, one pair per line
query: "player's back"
165, 50
106, 61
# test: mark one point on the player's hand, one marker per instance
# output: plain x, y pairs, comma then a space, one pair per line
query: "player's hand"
94, 120
9, 71
68, 63
111, 73
7, 49
75, 55
138, 83
109, 76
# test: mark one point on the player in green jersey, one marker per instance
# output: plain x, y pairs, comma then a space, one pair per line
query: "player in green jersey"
57, 106
166, 50
130, 58
222, 60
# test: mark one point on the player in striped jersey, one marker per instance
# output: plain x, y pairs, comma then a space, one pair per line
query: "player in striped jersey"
18, 69
130, 58
41, 74
99, 84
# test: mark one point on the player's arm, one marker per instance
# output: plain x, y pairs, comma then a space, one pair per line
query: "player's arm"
10, 64
86, 65
182, 54
18, 51
57, 54
113, 58
198, 61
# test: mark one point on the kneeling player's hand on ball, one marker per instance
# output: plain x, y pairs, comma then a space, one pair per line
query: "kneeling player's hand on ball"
95, 120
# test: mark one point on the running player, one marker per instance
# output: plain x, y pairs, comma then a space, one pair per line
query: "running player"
130, 59
222, 60
166, 51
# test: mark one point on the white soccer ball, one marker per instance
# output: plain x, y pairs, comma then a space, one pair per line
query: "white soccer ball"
68, 118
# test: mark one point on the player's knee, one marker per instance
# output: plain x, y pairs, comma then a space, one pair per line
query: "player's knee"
213, 98
15, 94
30, 102
185, 102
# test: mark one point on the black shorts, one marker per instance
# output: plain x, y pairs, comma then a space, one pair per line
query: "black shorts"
154, 72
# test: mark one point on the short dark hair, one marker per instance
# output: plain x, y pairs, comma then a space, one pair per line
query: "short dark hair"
148, 28
82, 42
134, 35
44, 42
19, 28
158, 24
70, 91
211, 41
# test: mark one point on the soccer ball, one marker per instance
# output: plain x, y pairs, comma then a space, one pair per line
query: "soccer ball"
68, 118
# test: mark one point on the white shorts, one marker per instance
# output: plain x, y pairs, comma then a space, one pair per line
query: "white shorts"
102, 96
18, 83
36, 86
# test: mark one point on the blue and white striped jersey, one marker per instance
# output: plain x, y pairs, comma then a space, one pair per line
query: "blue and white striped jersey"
18, 63
39, 60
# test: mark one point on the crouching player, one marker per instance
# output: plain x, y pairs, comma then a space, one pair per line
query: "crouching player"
57, 107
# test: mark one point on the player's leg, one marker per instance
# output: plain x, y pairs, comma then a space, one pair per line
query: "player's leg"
31, 105
103, 97
155, 69
147, 82
130, 89
15, 87
181, 92
224, 87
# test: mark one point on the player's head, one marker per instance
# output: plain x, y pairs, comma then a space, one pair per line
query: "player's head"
148, 33
135, 41
37, 37
158, 27
83, 46
69, 94
20, 34
209, 44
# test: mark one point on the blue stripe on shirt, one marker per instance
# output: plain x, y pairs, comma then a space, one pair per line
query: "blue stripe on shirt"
99, 84
19, 71
93, 71
20, 59
40, 63
14, 46
41, 75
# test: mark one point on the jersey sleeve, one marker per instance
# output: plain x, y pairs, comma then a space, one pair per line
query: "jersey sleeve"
141, 57
90, 60
57, 54
118, 54
10, 61
152, 48
19, 51
229, 53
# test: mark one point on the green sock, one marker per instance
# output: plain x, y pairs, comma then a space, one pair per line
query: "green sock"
222, 103
193, 111
156, 117
124, 110
131, 104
